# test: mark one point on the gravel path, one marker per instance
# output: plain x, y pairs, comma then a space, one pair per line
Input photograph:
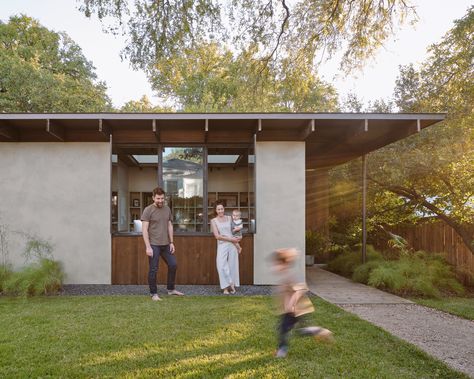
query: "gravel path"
444, 336
190, 290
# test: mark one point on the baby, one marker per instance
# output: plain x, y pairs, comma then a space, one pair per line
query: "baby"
236, 227
294, 303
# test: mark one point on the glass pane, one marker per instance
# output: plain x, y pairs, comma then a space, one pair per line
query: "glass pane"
183, 183
230, 180
134, 175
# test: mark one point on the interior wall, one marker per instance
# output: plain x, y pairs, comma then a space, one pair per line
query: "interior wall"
227, 179
142, 180
59, 192
280, 205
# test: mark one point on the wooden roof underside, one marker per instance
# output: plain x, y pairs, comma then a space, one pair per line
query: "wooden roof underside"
331, 138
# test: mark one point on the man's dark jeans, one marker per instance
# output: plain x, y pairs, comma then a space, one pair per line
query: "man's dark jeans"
170, 259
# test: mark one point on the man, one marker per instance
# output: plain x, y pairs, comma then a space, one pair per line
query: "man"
157, 229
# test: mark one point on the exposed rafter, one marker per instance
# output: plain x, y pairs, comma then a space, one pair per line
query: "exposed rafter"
105, 129
310, 128
55, 130
155, 130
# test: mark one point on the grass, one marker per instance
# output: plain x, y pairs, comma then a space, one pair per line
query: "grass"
192, 337
458, 306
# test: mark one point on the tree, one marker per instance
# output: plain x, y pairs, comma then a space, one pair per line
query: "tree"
143, 105
210, 79
303, 30
45, 71
433, 171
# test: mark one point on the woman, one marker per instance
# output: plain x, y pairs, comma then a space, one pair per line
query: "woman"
227, 259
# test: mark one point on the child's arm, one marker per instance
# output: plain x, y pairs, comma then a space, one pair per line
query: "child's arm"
237, 228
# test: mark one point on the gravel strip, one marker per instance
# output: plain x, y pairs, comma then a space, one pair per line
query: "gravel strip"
190, 290
442, 335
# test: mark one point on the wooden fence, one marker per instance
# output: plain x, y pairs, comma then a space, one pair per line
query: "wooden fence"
439, 238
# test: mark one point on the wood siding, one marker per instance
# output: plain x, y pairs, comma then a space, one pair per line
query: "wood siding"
196, 256
439, 238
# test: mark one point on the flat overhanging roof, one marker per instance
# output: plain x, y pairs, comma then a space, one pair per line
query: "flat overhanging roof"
331, 138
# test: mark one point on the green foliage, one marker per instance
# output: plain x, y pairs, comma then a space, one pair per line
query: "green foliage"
421, 274
143, 105
5, 273
316, 243
432, 170
37, 248
45, 71
347, 262
362, 273
300, 30
40, 278
207, 78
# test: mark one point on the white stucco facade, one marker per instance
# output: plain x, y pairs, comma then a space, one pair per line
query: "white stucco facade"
60, 192
280, 205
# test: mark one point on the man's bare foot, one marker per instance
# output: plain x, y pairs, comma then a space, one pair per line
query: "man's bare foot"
175, 292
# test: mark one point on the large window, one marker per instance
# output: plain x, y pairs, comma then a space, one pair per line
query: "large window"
193, 177
183, 180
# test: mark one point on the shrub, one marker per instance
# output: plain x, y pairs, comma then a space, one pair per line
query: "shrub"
318, 245
42, 278
361, 273
5, 273
420, 274
347, 262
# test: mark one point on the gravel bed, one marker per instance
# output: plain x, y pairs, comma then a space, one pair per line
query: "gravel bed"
442, 335
190, 290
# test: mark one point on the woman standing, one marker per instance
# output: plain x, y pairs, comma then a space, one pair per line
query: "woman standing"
227, 259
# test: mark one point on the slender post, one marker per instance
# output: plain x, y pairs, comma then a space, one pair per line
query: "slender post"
364, 207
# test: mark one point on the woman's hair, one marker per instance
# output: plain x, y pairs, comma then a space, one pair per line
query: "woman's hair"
218, 202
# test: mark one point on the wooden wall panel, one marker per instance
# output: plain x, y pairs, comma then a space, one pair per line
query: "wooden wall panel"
196, 256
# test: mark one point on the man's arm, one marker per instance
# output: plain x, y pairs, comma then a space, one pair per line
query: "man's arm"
146, 238
170, 235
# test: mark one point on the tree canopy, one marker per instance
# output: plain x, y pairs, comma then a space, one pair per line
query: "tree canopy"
433, 170
301, 30
45, 71
211, 79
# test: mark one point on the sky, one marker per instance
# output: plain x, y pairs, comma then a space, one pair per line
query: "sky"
376, 81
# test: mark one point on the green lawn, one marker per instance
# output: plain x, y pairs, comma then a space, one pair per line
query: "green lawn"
459, 306
192, 337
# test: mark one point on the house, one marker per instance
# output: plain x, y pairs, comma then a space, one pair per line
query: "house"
82, 180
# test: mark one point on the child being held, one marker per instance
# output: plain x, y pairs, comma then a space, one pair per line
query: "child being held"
236, 227
293, 301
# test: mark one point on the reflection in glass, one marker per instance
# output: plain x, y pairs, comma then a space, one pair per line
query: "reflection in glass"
183, 183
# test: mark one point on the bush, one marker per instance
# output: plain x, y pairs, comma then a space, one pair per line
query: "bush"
5, 273
318, 245
420, 274
42, 278
362, 273
347, 262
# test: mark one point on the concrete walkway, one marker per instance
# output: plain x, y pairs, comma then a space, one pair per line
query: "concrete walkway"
444, 336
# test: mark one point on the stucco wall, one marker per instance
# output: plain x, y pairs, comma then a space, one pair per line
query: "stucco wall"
60, 192
280, 205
